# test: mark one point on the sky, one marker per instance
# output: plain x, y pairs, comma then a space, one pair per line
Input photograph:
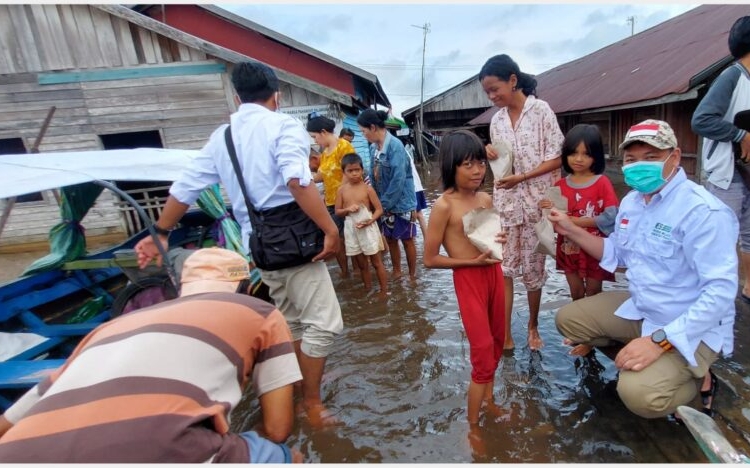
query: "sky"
386, 39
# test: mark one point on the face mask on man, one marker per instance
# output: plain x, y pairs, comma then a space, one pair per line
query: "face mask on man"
645, 176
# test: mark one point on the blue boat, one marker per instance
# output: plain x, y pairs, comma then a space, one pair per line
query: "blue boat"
47, 311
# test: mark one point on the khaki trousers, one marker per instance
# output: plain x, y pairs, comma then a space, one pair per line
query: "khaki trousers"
305, 296
653, 392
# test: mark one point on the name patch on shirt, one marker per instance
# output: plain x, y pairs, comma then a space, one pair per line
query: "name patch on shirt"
662, 231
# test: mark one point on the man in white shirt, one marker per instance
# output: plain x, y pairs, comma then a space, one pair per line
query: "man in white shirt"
273, 152
678, 243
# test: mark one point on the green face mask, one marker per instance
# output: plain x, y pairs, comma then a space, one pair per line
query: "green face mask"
645, 176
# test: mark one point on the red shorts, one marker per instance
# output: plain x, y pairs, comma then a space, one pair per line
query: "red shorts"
480, 291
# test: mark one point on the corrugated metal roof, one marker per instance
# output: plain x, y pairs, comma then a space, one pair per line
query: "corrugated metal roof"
657, 62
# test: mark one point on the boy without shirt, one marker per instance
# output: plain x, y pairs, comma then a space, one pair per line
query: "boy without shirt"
358, 203
477, 277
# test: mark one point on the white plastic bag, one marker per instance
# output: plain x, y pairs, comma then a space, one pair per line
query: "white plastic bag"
545, 233
481, 225
503, 165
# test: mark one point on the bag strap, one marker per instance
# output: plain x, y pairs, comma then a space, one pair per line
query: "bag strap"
236, 165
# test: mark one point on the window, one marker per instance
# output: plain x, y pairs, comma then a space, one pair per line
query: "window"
150, 195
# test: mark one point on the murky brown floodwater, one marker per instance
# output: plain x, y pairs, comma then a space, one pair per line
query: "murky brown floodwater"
400, 371
399, 375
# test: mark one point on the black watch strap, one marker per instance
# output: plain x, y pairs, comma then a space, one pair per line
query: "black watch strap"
161, 231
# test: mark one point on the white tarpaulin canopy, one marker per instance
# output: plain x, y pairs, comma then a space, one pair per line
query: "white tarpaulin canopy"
27, 173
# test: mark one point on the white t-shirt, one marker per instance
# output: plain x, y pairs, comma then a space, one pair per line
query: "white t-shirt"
417, 181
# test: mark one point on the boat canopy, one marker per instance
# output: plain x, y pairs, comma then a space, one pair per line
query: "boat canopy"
21, 174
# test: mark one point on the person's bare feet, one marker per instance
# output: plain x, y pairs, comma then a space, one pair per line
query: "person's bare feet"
397, 274
535, 341
509, 344
319, 416
297, 456
578, 349
476, 441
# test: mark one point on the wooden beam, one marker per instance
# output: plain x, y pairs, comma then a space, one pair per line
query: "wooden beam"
130, 73
218, 51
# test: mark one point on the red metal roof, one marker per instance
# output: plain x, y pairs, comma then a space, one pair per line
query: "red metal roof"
660, 61
243, 36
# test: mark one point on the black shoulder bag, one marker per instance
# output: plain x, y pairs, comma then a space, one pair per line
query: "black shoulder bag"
283, 236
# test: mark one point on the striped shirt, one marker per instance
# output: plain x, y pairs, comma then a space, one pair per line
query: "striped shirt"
156, 385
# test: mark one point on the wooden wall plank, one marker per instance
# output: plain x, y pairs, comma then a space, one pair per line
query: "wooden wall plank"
125, 40
106, 38
157, 48
72, 35
184, 52
144, 37
61, 94
7, 40
62, 47
47, 49
160, 107
92, 57
26, 46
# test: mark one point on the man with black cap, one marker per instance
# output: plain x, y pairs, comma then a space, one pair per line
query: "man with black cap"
273, 153
159, 384
677, 242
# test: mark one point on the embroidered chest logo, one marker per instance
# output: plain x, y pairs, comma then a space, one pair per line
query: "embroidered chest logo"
662, 231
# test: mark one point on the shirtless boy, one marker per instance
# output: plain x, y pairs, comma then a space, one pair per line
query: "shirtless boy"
359, 205
477, 277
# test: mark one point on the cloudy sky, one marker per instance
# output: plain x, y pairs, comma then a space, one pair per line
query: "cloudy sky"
384, 40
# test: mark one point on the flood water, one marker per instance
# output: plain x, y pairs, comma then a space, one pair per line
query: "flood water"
400, 371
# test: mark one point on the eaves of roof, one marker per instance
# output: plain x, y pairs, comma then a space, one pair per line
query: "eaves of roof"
218, 51
364, 76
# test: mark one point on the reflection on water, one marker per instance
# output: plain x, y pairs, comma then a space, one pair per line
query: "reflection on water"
400, 371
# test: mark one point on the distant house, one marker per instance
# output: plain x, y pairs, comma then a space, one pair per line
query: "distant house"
120, 79
662, 72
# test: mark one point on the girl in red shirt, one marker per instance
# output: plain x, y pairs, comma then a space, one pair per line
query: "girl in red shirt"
592, 204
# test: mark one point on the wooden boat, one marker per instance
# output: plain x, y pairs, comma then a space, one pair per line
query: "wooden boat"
43, 315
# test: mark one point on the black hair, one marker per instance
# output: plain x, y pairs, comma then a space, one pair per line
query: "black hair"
320, 123
351, 158
502, 67
739, 38
372, 117
591, 138
254, 81
455, 148
346, 131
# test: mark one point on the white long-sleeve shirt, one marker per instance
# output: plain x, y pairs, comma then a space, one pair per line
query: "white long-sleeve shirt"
272, 148
681, 259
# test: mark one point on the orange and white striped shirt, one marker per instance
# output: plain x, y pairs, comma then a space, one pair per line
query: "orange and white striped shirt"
156, 385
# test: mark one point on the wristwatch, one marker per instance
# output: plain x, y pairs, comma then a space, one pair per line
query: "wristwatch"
660, 338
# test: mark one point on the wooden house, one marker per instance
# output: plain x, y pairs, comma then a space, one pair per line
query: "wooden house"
111, 77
